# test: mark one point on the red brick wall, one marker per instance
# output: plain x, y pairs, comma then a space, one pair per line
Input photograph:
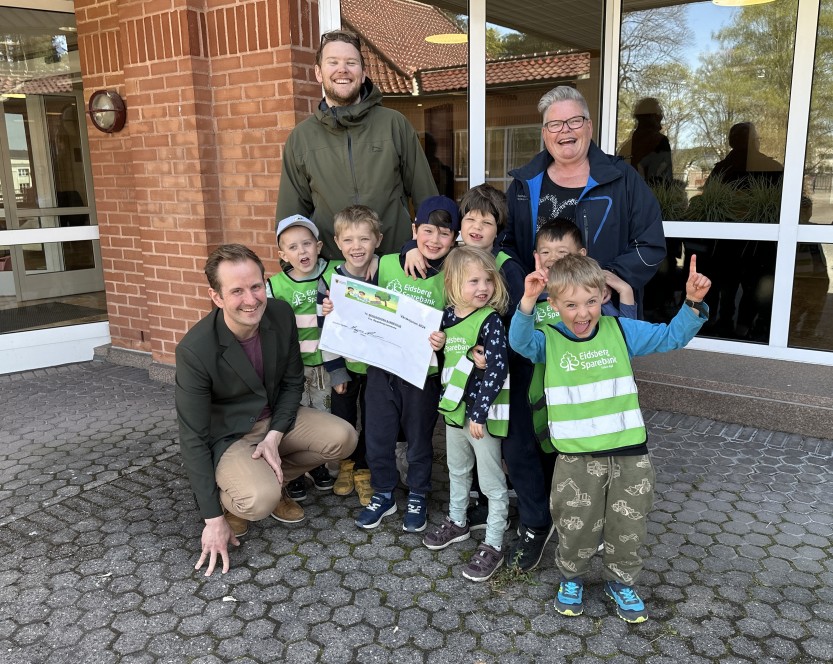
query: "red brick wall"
213, 88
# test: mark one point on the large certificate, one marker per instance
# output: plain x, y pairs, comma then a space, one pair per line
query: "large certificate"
380, 327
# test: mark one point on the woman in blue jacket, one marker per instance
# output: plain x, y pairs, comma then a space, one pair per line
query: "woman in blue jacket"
618, 216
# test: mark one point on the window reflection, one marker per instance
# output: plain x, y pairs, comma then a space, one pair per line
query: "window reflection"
27, 117
740, 299
58, 256
703, 103
811, 320
817, 200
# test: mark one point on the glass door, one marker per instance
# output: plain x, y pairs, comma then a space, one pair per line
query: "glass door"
42, 146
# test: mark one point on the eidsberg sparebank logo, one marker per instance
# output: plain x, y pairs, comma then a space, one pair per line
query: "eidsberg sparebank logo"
297, 299
539, 315
569, 362
395, 286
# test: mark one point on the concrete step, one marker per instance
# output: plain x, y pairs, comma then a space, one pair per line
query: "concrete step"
767, 394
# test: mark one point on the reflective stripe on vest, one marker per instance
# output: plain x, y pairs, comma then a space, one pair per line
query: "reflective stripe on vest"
590, 393
460, 339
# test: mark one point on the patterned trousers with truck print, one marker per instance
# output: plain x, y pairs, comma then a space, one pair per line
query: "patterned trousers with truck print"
601, 499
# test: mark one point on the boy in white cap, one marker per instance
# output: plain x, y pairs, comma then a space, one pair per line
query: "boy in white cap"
297, 284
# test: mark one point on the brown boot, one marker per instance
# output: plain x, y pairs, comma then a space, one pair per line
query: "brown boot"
361, 478
288, 511
239, 526
344, 481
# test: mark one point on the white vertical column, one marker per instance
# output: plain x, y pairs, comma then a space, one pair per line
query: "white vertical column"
797, 124
610, 75
477, 92
329, 15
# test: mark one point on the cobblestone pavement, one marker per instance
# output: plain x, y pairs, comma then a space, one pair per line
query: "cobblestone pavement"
99, 536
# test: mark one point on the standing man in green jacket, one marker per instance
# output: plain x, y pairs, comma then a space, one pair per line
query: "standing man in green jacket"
353, 151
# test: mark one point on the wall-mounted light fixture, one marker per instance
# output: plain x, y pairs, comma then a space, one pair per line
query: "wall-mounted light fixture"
107, 111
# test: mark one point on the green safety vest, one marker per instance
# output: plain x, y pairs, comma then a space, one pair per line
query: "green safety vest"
544, 315
354, 365
501, 258
430, 291
459, 340
302, 296
590, 392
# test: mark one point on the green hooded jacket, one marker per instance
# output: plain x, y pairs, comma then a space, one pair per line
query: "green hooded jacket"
363, 154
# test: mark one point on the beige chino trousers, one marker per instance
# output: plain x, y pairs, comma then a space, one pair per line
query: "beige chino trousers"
249, 487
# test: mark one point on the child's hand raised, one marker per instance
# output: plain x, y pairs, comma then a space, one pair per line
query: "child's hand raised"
698, 284
536, 282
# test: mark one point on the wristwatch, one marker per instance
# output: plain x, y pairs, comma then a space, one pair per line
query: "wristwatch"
700, 307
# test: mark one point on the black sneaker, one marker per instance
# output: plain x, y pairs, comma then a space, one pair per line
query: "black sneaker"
321, 478
526, 553
477, 515
297, 489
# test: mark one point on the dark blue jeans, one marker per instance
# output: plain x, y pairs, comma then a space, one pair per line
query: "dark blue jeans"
394, 403
527, 465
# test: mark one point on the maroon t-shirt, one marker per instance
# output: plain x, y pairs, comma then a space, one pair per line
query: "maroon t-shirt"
254, 352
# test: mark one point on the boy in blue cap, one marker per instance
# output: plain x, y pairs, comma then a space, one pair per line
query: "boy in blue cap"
397, 403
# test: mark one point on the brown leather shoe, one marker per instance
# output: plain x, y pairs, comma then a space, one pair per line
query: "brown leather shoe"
239, 526
288, 511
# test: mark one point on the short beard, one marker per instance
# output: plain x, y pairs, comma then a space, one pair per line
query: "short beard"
337, 100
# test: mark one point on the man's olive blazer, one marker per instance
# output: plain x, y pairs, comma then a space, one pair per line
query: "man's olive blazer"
219, 397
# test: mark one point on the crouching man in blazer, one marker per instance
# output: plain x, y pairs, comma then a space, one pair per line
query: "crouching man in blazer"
243, 434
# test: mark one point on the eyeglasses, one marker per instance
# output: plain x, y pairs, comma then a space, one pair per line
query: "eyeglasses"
342, 36
555, 126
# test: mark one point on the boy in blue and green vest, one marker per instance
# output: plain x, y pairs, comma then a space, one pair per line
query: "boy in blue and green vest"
396, 403
604, 480
297, 284
557, 238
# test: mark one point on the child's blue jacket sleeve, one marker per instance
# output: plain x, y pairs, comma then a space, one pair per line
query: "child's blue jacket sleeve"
644, 338
641, 338
525, 339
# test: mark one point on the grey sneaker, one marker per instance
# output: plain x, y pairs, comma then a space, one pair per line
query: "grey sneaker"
483, 563
447, 533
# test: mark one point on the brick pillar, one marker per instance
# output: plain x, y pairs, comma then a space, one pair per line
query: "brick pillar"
213, 88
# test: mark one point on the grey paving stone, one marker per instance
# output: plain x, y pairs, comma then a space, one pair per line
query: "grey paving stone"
98, 540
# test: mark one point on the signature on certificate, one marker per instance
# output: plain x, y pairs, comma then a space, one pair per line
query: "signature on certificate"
367, 334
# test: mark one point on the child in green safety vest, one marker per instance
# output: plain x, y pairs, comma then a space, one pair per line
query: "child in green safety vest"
358, 234
298, 247
603, 482
398, 404
557, 238
474, 403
